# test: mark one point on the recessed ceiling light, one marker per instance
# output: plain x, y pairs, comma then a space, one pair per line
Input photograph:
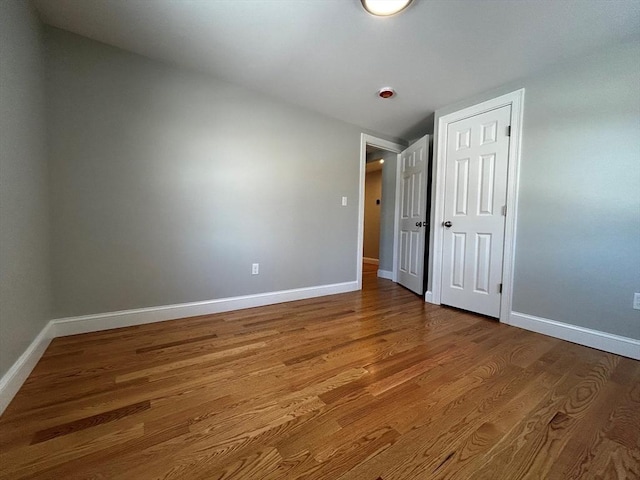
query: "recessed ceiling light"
384, 8
382, 160
386, 92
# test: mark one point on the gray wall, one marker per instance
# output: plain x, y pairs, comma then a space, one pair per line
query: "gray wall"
24, 246
167, 185
578, 230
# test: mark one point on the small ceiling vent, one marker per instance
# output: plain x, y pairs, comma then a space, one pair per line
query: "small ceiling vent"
386, 92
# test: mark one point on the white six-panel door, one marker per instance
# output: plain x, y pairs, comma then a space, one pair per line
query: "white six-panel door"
413, 215
474, 222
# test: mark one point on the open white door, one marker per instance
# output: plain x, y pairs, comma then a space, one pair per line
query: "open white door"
412, 224
476, 164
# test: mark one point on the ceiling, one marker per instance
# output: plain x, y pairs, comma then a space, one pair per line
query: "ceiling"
332, 57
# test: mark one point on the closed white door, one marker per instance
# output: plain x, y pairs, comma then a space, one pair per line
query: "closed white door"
413, 215
475, 197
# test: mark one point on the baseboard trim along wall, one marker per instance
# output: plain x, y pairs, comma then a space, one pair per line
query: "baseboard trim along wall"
385, 274
140, 316
625, 346
11, 381
371, 261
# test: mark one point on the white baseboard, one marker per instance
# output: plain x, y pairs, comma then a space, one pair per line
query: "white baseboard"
140, 316
385, 274
372, 261
11, 381
625, 346
428, 297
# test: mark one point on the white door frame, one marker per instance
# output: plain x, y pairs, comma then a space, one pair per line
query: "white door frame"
516, 101
392, 147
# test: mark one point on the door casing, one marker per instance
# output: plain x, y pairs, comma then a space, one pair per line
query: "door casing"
516, 101
365, 140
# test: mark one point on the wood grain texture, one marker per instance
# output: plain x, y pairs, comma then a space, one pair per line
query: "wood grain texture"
371, 385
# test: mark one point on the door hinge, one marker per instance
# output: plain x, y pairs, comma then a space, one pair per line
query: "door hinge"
499, 288
509, 131
504, 210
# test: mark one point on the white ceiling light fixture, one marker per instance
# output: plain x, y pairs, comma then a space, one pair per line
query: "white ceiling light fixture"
384, 8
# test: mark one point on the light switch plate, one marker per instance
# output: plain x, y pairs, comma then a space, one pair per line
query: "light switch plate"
636, 301
344, 201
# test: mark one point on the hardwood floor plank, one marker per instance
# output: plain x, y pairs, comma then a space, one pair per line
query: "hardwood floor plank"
333, 348
190, 362
88, 422
518, 452
176, 343
259, 463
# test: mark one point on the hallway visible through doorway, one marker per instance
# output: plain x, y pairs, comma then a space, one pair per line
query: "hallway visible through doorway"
379, 211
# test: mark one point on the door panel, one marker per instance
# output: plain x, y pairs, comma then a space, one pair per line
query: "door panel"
475, 193
486, 184
462, 186
483, 261
413, 218
457, 269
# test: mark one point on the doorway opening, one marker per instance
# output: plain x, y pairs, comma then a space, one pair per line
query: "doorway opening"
404, 211
377, 208
377, 248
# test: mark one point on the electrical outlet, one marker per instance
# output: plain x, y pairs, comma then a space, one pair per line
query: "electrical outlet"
255, 269
636, 301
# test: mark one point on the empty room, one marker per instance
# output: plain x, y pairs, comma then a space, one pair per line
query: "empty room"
320, 239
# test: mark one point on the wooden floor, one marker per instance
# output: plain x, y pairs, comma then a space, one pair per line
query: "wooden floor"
369, 385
